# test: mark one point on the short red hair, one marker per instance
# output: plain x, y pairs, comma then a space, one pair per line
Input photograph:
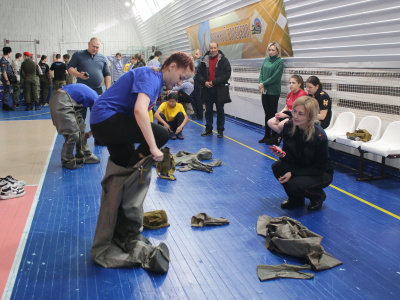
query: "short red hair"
182, 60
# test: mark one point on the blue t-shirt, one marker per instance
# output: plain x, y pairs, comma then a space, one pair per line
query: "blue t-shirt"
121, 96
81, 93
96, 66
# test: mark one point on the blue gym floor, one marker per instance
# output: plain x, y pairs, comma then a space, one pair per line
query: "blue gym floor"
359, 222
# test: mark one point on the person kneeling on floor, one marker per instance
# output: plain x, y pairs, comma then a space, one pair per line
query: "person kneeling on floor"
304, 168
173, 116
65, 109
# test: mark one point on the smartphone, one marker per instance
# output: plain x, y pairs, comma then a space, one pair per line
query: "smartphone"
276, 149
86, 74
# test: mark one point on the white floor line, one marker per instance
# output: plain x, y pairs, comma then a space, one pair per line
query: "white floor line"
21, 247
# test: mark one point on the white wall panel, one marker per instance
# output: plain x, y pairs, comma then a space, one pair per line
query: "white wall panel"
62, 25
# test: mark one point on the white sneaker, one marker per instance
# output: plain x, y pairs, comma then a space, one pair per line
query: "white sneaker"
7, 192
14, 181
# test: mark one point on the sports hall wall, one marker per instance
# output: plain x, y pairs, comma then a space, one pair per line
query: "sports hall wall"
352, 46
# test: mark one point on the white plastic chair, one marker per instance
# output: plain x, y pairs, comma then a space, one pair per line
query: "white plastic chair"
345, 122
331, 122
372, 124
388, 145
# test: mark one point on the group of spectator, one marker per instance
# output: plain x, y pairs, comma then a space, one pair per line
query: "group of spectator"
33, 78
304, 168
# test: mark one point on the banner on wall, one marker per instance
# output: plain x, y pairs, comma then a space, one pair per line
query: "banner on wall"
245, 32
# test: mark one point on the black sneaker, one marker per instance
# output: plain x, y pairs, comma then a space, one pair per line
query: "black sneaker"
37, 107
8, 192
172, 135
196, 117
6, 107
17, 106
207, 132
220, 134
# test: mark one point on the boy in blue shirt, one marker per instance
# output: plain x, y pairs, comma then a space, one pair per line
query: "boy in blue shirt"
65, 106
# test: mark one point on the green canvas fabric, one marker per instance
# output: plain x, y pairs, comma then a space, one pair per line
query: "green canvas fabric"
359, 135
155, 219
202, 219
118, 241
166, 168
192, 161
289, 236
267, 272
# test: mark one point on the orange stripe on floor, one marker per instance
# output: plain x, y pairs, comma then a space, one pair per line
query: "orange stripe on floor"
13, 216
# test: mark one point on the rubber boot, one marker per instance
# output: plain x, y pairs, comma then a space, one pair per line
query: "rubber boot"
67, 153
118, 241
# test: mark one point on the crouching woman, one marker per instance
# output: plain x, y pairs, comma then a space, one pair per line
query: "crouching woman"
304, 169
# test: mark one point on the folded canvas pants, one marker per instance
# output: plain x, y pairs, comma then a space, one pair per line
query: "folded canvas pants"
117, 241
267, 272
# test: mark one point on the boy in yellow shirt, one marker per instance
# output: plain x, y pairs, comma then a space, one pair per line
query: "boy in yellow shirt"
173, 116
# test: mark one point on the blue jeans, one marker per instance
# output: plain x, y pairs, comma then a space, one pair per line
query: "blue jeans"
6, 93
211, 98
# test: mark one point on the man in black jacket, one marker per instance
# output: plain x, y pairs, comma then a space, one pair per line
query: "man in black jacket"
213, 75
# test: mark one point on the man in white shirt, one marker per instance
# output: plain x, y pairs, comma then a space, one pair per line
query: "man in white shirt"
118, 63
155, 61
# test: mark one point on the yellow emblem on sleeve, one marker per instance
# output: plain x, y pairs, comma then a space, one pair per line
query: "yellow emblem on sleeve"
326, 102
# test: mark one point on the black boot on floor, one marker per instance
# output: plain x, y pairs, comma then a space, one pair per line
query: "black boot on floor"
207, 132
288, 203
262, 140
315, 205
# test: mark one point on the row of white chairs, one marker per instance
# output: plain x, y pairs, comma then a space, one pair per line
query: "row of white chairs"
387, 145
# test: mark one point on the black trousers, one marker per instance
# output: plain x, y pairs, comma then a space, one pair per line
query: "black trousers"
184, 98
120, 133
197, 104
300, 187
270, 105
179, 118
